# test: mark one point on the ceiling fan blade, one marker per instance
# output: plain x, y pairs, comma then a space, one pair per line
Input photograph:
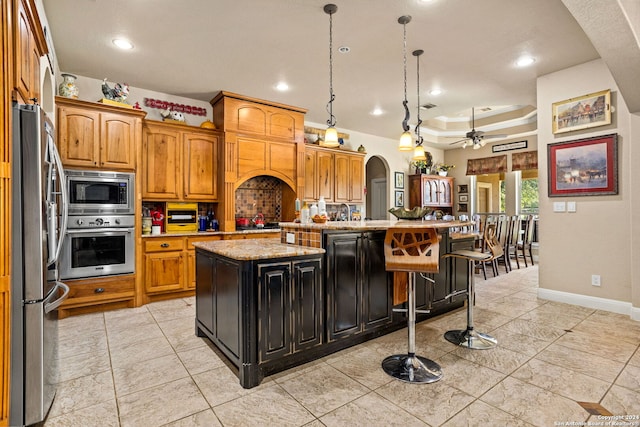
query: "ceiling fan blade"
494, 136
458, 141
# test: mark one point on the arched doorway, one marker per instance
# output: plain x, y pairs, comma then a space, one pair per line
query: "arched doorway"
377, 181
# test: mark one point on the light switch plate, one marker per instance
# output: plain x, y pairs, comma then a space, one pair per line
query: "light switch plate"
571, 206
559, 206
291, 237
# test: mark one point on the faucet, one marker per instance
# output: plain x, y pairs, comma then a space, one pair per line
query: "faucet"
348, 210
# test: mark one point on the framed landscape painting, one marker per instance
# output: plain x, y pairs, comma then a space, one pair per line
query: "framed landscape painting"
583, 112
584, 167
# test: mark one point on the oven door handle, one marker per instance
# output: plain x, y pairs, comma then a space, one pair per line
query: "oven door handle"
99, 230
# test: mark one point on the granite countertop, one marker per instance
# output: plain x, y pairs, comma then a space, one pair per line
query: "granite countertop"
216, 233
374, 225
253, 249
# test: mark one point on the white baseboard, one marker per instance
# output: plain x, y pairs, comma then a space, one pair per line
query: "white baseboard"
605, 304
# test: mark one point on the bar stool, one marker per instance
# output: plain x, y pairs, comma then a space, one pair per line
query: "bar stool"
469, 337
411, 250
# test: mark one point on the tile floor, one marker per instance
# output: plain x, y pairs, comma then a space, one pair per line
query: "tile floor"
145, 367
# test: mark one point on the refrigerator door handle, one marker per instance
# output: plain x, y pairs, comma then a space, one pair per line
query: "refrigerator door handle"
50, 306
64, 200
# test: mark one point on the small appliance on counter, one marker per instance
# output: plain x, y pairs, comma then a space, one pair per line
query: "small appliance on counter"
181, 217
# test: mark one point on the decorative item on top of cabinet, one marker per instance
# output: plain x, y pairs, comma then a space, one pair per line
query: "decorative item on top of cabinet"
93, 135
179, 162
431, 190
29, 45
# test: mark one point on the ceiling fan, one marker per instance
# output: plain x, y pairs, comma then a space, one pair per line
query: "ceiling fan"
475, 137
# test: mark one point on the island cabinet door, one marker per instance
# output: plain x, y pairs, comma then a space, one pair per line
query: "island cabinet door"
378, 290
205, 292
307, 304
343, 285
274, 310
227, 305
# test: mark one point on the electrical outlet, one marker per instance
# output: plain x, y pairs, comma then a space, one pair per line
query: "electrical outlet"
595, 280
291, 238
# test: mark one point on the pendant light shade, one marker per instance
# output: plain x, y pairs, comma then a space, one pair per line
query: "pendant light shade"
419, 154
331, 134
406, 140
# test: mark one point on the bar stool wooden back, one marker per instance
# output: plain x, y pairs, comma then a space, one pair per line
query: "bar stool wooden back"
469, 337
412, 250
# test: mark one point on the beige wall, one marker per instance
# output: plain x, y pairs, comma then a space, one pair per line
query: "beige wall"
597, 239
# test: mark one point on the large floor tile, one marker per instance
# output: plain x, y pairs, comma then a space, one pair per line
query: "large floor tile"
103, 414
87, 323
324, 389
533, 404
92, 341
125, 336
200, 359
148, 373
630, 378
498, 358
578, 361
161, 404
370, 410
362, 365
635, 359
82, 365
200, 419
135, 320
479, 414
83, 392
540, 331
620, 401
181, 334
220, 385
469, 377
171, 309
607, 327
270, 406
558, 320
562, 381
609, 348
432, 403
136, 352
519, 343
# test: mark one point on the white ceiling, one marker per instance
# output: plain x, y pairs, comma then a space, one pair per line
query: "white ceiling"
196, 48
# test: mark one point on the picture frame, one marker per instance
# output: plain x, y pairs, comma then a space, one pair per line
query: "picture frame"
399, 199
399, 180
583, 112
463, 188
517, 145
463, 207
463, 198
583, 167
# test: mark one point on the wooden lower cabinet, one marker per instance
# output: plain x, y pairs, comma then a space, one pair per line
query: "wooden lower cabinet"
98, 294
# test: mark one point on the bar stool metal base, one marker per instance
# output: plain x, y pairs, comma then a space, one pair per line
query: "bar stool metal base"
471, 339
412, 369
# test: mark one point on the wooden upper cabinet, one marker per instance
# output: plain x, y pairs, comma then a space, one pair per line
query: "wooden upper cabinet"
29, 46
179, 162
238, 113
319, 177
349, 173
200, 166
431, 190
92, 135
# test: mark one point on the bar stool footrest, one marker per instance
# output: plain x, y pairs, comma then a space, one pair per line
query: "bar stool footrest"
412, 369
469, 338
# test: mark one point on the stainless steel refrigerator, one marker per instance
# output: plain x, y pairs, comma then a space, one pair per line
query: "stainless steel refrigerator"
39, 220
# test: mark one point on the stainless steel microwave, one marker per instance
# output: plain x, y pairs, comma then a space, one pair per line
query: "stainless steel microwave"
100, 192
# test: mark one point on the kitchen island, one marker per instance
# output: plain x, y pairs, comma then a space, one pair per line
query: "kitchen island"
269, 305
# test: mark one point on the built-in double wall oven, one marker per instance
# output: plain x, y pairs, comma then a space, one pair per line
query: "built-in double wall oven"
100, 238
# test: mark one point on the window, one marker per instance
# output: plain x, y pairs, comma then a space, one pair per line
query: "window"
529, 193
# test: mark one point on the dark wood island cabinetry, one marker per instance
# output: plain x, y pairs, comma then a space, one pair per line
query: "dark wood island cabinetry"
269, 306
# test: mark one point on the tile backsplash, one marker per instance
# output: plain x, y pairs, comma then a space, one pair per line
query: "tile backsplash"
261, 194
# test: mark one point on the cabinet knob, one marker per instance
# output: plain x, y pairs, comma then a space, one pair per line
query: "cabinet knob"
99, 290
164, 245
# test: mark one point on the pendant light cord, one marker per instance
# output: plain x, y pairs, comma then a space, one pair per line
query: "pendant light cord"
405, 124
417, 54
332, 119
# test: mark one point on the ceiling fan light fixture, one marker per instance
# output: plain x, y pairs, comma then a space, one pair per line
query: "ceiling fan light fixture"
476, 146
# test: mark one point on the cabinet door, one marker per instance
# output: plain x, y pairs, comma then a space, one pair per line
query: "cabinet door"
79, 135
343, 285
325, 175
310, 175
161, 174
307, 304
377, 283
200, 162
274, 308
191, 270
349, 173
117, 141
227, 305
205, 291
356, 179
342, 178
164, 271
27, 65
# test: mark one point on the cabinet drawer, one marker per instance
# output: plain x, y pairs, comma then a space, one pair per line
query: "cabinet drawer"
192, 240
97, 291
164, 244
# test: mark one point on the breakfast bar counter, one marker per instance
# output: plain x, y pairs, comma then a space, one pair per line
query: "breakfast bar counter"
269, 305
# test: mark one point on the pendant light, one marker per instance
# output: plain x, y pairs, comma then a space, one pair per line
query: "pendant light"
331, 134
418, 152
406, 140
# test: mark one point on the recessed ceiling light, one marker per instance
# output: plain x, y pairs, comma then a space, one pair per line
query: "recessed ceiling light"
344, 49
525, 61
282, 86
377, 112
435, 92
123, 44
